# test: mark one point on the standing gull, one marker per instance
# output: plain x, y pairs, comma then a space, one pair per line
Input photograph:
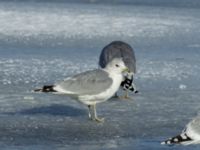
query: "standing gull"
92, 87
119, 49
190, 135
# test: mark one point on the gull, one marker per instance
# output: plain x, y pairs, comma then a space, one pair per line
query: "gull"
190, 135
119, 49
91, 87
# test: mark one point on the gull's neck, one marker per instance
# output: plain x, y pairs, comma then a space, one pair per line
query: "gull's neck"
112, 73
116, 77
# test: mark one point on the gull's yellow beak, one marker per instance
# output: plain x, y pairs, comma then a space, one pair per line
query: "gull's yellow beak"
125, 70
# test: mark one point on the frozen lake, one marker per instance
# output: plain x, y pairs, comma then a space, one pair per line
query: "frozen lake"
41, 43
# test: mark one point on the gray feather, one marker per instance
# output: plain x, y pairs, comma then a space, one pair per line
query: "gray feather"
90, 82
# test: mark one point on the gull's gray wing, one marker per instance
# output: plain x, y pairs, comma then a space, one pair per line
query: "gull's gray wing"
118, 49
90, 82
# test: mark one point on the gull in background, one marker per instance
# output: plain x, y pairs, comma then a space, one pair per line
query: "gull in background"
91, 87
119, 49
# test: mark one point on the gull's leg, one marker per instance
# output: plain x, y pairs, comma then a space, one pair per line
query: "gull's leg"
126, 95
96, 117
94, 114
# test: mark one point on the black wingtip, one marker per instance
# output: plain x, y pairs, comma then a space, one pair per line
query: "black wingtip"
46, 89
177, 139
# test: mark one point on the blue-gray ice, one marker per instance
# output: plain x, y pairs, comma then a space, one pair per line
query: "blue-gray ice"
36, 40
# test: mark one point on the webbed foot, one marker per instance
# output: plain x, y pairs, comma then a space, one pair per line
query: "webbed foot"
124, 97
93, 114
99, 120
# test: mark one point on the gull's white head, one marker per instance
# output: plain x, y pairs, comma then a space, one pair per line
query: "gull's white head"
117, 66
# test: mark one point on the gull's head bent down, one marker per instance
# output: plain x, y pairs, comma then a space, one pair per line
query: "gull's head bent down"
116, 66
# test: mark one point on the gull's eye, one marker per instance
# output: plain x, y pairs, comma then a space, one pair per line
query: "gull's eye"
117, 65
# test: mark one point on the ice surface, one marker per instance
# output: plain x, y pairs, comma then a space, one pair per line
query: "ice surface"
41, 43
53, 24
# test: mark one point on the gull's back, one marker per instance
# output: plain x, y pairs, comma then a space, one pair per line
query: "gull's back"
89, 82
118, 49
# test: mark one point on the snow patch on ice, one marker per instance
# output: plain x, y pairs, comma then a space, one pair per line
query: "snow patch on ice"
34, 71
167, 70
182, 86
14, 71
194, 45
29, 97
32, 22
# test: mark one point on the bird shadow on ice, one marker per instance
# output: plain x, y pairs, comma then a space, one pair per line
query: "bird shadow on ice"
54, 110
